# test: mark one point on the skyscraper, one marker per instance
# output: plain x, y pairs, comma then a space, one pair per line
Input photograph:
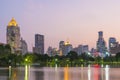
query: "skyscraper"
39, 44
61, 44
61, 47
13, 36
101, 45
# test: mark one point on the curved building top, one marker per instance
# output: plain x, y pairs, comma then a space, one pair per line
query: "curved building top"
12, 23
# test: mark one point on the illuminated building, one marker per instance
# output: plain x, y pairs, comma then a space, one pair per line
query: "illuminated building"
13, 36
101, 45
64, 47
67, 48
39, 44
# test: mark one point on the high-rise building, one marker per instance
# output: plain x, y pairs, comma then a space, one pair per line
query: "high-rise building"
24, 47
81, 49
61, 44
61, 47
112, 42
39, 44
67, 48
13, 36
64, 47
101, 45
114, 46
85, 48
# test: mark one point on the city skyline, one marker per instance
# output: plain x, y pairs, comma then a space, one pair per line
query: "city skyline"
77, 21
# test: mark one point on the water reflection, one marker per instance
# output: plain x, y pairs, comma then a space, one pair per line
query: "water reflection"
96, 72
66, 73
26, 72
89, 73
60, 73
12, 73
107, 72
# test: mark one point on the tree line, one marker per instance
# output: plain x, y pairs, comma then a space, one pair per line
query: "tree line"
71, 59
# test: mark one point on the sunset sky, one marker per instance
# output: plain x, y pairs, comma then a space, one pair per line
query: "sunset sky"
75, 20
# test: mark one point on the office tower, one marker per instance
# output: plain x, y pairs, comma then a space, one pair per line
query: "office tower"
81, 49
61, 44
24, 47
85, 48
101, 45
112, 42
114, 46
67, 48
61, 47
49, 51
13, 36
39, 44
64, 47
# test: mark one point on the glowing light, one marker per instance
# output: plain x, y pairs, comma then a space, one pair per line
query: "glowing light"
67, 43
12, 23
26, 59
108, 54
89, 53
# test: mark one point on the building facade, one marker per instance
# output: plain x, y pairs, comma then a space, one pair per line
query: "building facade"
13, 36
101, 44
81, 49
114, 46
24, 47
112, 42
39, 44
65, 47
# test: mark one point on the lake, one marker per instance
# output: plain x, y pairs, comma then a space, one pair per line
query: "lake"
60, 73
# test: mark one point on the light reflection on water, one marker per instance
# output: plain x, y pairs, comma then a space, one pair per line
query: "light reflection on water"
60, 73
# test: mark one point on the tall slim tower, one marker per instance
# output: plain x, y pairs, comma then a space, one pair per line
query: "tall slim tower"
13, 35
39, 44
101, 45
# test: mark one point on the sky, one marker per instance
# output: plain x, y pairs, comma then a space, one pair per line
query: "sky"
75, 20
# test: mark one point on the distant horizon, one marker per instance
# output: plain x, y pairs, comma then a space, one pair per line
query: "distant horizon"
77, 21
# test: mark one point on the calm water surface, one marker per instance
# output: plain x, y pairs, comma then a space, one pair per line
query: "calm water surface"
60, 73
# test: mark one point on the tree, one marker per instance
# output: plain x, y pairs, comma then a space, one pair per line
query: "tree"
118, 56
72, 55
